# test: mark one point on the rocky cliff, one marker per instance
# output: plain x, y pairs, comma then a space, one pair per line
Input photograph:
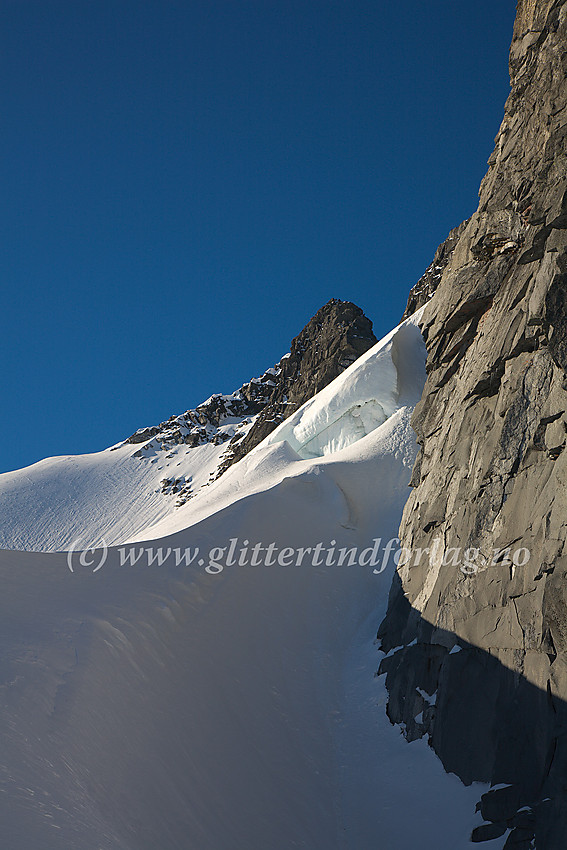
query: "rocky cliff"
476, 631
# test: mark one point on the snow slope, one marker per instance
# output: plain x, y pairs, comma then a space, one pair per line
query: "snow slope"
178, 708
118, 494
107, 495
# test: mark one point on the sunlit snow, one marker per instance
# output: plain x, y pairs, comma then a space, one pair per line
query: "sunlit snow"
172, 708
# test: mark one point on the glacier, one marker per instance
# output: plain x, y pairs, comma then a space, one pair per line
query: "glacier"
169, 707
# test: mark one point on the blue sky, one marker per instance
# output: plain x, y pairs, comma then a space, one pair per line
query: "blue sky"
185, 182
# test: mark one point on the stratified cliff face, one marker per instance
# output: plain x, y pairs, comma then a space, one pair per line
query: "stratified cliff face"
492, 473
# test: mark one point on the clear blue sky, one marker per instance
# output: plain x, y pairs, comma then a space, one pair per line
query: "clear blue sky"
185, 182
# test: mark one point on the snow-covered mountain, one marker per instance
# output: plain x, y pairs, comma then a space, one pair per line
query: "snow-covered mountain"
166, 478
173, 694
118, 493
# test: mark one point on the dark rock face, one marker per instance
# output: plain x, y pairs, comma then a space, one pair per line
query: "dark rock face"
491, 474
333, 339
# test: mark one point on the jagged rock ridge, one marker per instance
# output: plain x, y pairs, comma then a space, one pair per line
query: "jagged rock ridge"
330, 342
491, 472
423, 290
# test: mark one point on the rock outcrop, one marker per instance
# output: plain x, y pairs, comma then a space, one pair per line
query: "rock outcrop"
480, 619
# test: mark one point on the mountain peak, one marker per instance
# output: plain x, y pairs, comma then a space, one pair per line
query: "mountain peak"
337, 335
